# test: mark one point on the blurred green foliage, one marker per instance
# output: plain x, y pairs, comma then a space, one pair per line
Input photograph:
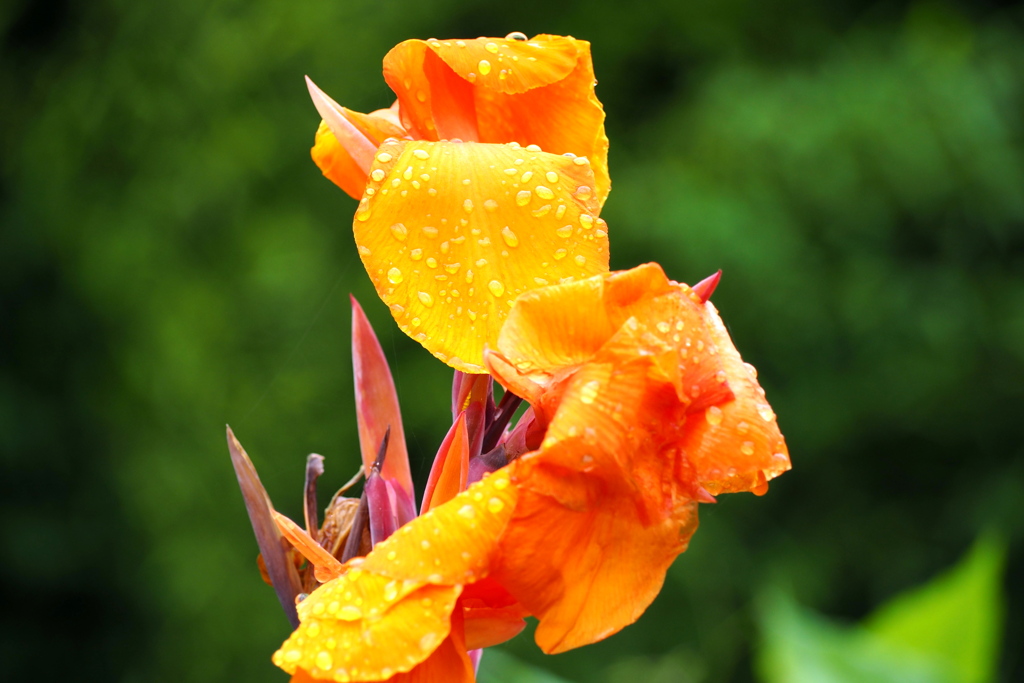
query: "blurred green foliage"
947, 631
170, 260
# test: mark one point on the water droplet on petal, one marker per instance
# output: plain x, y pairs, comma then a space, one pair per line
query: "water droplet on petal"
509, 237
747, 448
491, 205
384, 157
395, 276
516, 35
492, 48
525, 178
561, 254
589, 391
421, 154
324, 660
581, 161
484, 67
467, 206
663, 327
378, 174
467, 512
495, 505
399, 231
496, 287
564, 231
765, 411
586, 220
544, 192
350, 613
426, 299
523, 197
551, 176
713, 415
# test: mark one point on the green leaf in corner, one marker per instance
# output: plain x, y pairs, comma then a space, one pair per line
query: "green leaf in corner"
946, 631
499, 667
955, 619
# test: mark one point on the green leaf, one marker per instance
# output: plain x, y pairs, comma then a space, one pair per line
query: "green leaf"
947, 631
498, 667
956, 618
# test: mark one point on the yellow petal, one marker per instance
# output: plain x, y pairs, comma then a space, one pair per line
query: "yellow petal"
453, 543
363, 626
451, 233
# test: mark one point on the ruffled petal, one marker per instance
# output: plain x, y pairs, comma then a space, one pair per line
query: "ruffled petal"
737, 446
451, 233
536, 92
607, 566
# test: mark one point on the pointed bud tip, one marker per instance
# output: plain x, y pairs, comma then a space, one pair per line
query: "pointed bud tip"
706, 287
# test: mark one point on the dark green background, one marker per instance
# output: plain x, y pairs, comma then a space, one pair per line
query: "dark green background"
171, 260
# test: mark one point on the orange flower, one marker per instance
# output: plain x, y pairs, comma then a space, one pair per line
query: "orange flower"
534, 92
412, 608
648, 408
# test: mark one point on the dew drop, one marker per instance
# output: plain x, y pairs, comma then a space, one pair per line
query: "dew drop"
564, 231
542, 211
516, 35
491, 205
467, 206
431, 262
384, 157
586, 220
484, 66
428, 641
663, 327
492, 48
747, 448
589, 391
544, 192
523, 197
391, 590
496, 287
460, 43
350, 613
429, 231
580, 260
551, 176
467, 512
495, 505
399, 231
324, 660
713, 415
416, 254
426, 299
583, 192
560, 211
581, 161
313, 630
395, 276
378, 174
525, 178
765, 411
561, 254
509, 237
421, 154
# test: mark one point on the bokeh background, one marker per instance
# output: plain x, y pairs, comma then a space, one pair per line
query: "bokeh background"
171, 261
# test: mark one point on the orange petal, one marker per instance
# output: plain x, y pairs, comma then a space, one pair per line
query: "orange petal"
336, 163
490, 626
605, 568
450, 470
377, 409
536, 92
737, 446
363, 626
638, 313
326, 565
454, 543
449, 257
563, 117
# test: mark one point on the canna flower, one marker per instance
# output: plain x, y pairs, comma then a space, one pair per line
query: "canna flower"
646, 409
642, 407
534, 92
456, 217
